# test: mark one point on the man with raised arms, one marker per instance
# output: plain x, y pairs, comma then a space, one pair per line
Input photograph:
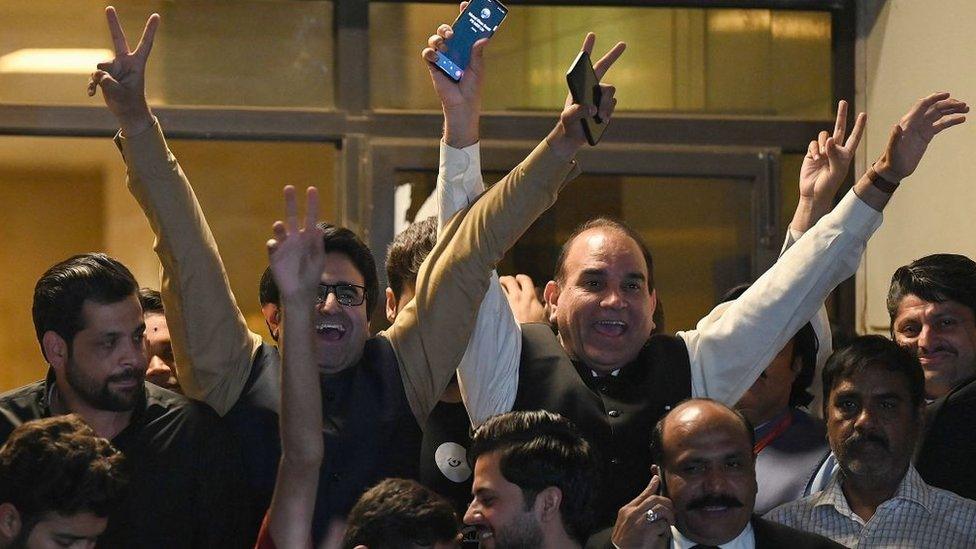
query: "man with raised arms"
375, 390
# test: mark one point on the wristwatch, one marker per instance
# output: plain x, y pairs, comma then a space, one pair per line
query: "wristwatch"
879, 182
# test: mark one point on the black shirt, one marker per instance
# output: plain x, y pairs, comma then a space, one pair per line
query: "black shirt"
369, 430
183, 465
444, 466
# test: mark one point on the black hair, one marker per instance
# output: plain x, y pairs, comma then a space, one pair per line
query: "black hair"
935, 278
151, 301
59, 465
805, 347
400, 514
539, 449
869, 351
62, 290
337, 240
407, 252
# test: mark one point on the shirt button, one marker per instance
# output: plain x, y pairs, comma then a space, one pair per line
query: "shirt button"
614, 413
336, 477
604, 388
614, 461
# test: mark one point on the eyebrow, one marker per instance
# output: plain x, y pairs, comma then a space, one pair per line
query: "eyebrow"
603, 272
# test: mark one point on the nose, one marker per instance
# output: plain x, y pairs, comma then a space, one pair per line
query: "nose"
473, 515
158, 368
926, 338
613, 299
715, 480
330, 304
135, 353
865, 419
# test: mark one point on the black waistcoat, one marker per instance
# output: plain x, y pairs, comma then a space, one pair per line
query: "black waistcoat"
369, 431
616, 414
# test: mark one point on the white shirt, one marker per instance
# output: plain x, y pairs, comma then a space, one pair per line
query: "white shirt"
727, 352
917, 516
497, 336
745, 540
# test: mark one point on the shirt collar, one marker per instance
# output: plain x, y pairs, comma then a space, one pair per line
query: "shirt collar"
911, 488
745, 540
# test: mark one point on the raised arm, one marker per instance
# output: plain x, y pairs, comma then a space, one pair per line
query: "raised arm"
211, 343
496, 338
297, 255
728, 351
431, 334
824, 168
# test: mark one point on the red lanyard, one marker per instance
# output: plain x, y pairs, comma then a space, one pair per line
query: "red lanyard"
781, 426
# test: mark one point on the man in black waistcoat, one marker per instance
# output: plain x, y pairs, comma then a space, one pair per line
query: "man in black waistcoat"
603, 371
704, 489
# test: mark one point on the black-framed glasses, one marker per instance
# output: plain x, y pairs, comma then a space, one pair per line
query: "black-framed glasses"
348, 295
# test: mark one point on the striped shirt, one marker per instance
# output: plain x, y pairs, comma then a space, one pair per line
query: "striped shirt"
917, 516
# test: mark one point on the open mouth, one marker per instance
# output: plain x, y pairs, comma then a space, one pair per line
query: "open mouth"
610, 328
330, 331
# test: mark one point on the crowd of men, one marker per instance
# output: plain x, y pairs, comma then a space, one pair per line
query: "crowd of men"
483, 415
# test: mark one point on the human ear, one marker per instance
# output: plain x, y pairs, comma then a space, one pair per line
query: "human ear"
551, 296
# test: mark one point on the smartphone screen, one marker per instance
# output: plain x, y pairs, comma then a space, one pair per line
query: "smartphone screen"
479, 20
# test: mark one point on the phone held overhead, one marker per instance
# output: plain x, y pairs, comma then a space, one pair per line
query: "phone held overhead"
479, 20
585, 89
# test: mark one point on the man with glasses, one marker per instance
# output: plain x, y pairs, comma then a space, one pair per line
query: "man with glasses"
375, 391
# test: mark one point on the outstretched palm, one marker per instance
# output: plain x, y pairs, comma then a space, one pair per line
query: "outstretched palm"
828, 158
297, 253
910, 138
123, 79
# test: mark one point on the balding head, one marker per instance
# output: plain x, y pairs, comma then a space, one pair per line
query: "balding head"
705, 452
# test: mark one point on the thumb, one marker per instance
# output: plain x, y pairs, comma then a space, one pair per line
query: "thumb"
576, 112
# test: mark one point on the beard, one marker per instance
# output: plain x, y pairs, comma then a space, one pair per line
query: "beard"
100, 394
522, 533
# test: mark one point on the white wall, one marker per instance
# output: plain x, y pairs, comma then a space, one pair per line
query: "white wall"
906, 50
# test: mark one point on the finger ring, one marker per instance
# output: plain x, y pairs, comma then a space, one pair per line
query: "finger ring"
651, 516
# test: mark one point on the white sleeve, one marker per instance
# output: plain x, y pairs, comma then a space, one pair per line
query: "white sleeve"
825, 339
488, 372
728, 351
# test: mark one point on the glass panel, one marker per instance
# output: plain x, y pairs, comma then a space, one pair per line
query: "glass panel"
688, 60
244, 53
72, 199
699, 231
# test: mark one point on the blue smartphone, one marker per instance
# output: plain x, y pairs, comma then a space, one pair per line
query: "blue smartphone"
479, 20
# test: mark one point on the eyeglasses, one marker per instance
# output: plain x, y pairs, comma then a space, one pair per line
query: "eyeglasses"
348, 295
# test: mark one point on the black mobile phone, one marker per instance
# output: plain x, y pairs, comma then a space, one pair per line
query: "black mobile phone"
479, 20
585, 89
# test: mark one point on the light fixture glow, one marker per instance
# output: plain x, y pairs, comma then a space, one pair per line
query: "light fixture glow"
54, 61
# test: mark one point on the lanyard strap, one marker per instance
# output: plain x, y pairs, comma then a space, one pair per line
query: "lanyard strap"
781, 426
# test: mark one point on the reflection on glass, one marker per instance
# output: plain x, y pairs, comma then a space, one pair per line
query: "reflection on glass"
71, 198
699, 230
243, 53
689, 60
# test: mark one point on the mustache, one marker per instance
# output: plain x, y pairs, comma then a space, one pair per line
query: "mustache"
861, 439
940, 349
127, 375
713, 500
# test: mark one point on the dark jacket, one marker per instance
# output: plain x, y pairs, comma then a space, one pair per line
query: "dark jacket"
769, 535
946, 457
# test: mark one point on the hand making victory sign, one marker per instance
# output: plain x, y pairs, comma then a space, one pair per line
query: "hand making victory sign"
569, 127
824, 168
123, 79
